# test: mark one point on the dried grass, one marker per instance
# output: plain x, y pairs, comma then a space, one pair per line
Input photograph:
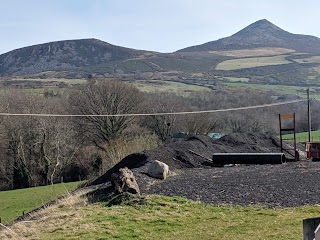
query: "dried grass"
256, 52
65, 211
120, 148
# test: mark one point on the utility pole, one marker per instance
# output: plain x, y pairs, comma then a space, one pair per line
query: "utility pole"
309, 116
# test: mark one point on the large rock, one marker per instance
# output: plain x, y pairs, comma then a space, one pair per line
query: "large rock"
158, 169
124, 181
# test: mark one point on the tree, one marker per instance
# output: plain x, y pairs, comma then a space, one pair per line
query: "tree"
104, 97
38, 147
200, 124
162, 125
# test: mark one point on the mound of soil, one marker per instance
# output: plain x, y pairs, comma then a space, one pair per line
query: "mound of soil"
194, 176
196, 152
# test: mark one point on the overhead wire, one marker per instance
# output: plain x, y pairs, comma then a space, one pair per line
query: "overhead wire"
153, 114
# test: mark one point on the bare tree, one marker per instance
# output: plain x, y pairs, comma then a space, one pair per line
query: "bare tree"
200, 124
37, 146
104, 97
162, 125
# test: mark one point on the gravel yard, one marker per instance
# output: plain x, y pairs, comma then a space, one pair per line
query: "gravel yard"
286, 185
196, 178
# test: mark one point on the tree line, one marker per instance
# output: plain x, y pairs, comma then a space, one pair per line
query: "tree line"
43, 150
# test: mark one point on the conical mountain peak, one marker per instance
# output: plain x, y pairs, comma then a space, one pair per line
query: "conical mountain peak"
260, 27
261, 34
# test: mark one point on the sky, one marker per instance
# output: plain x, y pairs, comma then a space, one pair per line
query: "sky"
156, 25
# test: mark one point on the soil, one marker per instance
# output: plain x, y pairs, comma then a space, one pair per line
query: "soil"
197, 178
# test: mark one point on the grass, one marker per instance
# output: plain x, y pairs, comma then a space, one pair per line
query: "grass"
252, 62
167, 86
161, 218
280, 89
255, 52
303, 136
14, 202
234, 79
63, 80
116, 150
313, 59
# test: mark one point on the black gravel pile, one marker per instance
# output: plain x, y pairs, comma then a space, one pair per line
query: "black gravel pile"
196, 152
193, 176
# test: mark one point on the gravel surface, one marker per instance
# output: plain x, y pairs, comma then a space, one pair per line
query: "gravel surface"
196, 178
286, 185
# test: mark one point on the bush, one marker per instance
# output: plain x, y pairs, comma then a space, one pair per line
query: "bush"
116, 150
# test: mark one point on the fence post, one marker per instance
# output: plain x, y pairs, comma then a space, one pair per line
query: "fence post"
309, 226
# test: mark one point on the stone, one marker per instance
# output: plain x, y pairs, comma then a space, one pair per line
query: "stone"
124, 181
158, 169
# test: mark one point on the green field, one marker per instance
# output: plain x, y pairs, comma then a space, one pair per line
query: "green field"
313, 59
14, 202
255, 52
303, 136
167, 86
162, 218
281, 89
233, 79
63, 80
252, 62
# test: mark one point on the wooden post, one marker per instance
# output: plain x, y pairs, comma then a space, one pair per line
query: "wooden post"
309, 116
280, 129
309, 226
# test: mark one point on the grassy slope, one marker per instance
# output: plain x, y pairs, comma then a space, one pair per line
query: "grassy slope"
281, 89
13, 203
67, 81
303, 136
162, 218
167, 86
252, 62
255, 52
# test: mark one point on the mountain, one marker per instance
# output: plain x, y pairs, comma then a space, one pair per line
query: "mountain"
258, 35
62, 55
260, 53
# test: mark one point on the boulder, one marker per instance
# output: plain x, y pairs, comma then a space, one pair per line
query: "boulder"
124, 181
158, 169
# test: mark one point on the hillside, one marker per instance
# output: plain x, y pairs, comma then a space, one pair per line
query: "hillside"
170, 218
261, 34
62, 55
261, 53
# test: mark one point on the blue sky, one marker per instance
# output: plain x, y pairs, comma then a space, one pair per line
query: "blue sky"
158, 25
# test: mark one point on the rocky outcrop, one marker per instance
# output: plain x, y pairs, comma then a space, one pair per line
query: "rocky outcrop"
124, 181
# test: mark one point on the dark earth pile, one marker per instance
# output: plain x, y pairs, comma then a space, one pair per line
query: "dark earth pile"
195, 177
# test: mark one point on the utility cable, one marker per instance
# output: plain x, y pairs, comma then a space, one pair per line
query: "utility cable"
152, 114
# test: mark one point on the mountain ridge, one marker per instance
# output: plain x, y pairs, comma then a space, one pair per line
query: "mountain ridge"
261, 33
83, 57
63, 55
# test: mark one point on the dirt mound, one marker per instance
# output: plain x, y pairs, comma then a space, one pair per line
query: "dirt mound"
282, 185
196, 152
248, 142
